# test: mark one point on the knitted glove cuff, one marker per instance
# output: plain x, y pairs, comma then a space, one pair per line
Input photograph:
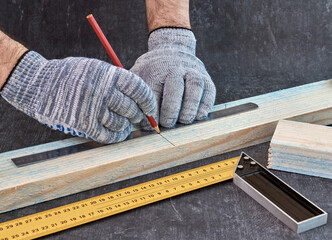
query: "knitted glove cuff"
173, 38
20, 87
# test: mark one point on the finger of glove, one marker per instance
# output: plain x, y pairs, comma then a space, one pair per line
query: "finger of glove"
125, 107
157, 88
135, 88
113, 121
194, 86
107, 136
207, 102
172, 100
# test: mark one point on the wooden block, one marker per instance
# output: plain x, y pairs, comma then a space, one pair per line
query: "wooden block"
85, 170
302, 148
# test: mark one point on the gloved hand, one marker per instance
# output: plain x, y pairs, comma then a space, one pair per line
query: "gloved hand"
85, 97
183, 88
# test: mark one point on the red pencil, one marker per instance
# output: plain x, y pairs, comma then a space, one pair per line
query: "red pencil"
114, 58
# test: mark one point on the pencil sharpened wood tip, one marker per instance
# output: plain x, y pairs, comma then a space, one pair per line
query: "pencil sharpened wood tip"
157, 129
90, 15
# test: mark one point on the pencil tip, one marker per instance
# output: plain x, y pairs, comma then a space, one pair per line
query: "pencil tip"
90, 15
157, 129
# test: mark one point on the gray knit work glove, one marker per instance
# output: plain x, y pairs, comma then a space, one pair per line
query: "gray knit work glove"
183, 88
81, 96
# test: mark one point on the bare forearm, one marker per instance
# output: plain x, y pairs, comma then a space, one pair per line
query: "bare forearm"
10, 53
167, 13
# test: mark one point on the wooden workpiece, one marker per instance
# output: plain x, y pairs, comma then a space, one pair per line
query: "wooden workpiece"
82, 171
302, 148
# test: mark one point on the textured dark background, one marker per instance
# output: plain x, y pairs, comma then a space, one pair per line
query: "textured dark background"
249, 48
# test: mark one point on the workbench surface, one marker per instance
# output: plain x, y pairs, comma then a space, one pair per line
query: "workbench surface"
248, 47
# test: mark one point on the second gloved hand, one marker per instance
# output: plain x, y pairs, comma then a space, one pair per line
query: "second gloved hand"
183, 88
82, 96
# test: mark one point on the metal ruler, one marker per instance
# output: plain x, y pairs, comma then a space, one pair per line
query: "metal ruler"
53, 154
92, 209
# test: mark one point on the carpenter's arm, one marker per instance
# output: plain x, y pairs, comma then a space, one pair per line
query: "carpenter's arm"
10, 53
170, 13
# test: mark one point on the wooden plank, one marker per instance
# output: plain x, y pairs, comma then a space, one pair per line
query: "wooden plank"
82, 171
302, 148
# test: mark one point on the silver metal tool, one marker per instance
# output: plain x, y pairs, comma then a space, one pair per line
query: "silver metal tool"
43, 156
285, 203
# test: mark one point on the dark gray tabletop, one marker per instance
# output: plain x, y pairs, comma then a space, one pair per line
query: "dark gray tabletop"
249, 48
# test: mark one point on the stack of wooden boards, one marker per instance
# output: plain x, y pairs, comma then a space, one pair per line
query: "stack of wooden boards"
302, 148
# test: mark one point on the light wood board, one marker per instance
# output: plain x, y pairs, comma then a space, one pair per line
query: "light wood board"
82, 171
302, 148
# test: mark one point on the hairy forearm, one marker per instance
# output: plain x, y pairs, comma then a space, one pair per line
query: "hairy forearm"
10, 53
167, 13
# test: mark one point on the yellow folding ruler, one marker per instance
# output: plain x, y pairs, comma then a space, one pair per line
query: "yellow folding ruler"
78, 213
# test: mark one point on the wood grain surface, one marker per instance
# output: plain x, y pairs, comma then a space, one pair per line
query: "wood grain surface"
73, 173
301, 148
